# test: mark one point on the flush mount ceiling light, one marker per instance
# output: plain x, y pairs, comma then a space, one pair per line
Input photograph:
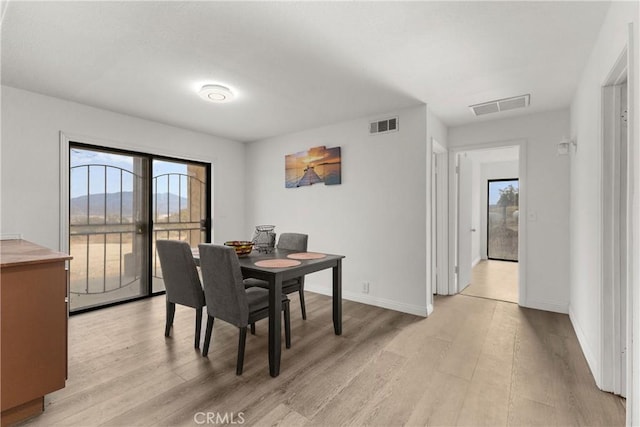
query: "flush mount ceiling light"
216, 93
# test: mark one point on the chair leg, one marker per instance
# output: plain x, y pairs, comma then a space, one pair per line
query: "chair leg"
253, 328
198, 326
207, 336
241, 343
302, 305
171, 311
287, 325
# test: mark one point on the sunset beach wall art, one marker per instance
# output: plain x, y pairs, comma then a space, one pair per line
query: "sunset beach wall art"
317, 164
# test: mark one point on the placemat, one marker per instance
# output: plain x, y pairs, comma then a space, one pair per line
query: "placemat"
306, 255
277, 263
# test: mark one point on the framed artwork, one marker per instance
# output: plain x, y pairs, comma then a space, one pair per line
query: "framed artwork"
317, 164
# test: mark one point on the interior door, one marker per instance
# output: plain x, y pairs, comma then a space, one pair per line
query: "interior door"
464, 221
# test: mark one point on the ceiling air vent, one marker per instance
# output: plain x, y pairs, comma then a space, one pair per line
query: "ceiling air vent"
384, 126
501, 105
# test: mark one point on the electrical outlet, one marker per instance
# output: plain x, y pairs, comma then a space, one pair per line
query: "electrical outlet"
365, 287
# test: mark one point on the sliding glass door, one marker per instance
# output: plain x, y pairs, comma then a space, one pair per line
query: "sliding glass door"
120, 203
502, 219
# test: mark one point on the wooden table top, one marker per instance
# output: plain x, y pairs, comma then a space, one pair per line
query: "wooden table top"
20, 252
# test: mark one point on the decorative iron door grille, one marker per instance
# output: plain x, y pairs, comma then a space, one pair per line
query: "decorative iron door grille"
179, 209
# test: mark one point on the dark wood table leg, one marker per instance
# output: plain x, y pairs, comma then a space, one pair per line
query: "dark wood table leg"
275, 310
337, 298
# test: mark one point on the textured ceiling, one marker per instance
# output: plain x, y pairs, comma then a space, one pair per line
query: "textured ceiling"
298, 65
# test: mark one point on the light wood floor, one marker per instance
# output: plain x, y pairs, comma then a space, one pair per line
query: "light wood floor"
474, 361
495, 280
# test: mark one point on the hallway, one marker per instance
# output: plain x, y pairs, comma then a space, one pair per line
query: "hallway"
496, 280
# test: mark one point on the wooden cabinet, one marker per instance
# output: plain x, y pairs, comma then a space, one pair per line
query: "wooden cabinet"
33, 302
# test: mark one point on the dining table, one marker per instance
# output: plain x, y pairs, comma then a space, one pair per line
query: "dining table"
280, 265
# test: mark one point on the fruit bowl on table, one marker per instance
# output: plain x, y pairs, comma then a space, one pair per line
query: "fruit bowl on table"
242, 247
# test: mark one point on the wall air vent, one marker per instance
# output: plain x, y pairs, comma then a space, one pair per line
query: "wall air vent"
500, 105
384, 126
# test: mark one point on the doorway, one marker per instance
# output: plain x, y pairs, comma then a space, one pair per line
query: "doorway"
120, 202
488, 233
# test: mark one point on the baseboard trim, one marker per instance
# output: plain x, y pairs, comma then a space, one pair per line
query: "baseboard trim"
475, 262
547, 306
370, 300
586, 349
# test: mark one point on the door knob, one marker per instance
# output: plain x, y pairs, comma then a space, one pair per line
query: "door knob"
473, 230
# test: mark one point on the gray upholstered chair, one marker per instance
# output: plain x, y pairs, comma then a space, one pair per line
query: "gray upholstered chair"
181, 281
228, 300
292, 242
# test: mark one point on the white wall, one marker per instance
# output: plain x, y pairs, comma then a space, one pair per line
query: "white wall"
493, 170
547, 198
586, 195
376, 217
30, 174
436, 129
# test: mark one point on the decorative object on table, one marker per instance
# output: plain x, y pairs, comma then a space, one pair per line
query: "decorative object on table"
306, 255
277, 263
242, 247
318, 164
264, 238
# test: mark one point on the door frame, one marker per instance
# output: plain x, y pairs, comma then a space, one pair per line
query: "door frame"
66, 139
522, 227
440, 259
616, 283
633, 291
